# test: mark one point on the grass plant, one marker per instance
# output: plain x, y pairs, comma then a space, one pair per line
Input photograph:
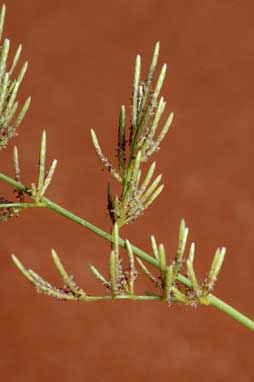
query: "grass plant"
136, 144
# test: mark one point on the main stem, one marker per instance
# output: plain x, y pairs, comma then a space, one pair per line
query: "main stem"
213, 300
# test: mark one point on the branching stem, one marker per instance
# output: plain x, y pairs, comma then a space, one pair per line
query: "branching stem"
22, 205
212, 300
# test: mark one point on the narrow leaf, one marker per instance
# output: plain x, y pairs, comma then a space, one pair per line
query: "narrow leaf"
155, 146
151, 188
154, 248
132, 272
146, 271
138, 177
22, 269
22, 113
168, 280
182, 238
148, 178
15, 59
159, 111
15, 89
136, 81
149, 79
49, 177
154, 97
104, 160
2, 18
3, 57
113, 273
215, 267
153, 196
41, 172
162, 258
134, 175
9, 117
99, 276
65, 276
121, 142
191, 272
4, 91
115, 236
16, 164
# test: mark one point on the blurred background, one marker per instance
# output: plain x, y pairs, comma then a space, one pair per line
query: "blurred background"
81, 57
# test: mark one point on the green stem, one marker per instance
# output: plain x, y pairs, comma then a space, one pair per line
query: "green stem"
21, 205
213, 300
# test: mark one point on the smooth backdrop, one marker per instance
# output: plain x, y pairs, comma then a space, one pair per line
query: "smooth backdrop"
81, 57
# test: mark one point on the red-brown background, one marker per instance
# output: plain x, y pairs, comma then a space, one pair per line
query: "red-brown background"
81, 57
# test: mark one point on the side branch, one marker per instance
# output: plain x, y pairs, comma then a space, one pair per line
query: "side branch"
212, 300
